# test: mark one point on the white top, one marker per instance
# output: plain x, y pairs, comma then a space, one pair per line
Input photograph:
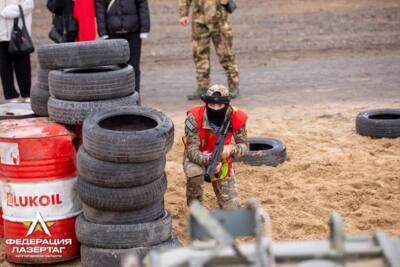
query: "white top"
9, 11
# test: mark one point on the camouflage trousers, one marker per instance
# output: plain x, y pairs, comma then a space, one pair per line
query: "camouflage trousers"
221, 35
225, 190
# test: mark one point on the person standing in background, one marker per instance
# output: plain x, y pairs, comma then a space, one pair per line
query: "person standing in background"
73, 20
210, 22
10, 63
65, 27
125, 19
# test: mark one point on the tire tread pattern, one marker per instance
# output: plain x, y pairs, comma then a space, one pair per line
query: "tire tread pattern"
122, 199
39, 99
118, 175
124, 236
75, 112
132, 146
83, 54
99, 84
146, 214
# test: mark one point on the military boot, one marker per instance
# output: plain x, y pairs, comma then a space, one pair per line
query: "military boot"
196, 94
234, 92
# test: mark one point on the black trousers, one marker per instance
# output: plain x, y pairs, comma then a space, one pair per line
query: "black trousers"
135, 46
21, 64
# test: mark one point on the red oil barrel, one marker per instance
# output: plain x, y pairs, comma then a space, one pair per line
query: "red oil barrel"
13, 111
1, 222
38, 191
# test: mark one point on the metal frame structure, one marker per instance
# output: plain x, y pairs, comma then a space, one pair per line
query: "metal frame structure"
215, 231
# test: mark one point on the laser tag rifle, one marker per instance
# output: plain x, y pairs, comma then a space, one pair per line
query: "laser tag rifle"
218, 148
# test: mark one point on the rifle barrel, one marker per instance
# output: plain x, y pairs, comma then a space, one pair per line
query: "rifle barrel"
218, 148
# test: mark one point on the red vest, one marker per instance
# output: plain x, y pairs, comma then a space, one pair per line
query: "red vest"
208, 137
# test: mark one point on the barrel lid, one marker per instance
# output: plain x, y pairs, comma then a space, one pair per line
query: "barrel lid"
16, 111
31, 128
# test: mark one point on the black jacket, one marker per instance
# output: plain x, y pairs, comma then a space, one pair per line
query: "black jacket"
63, 22
60, 7
122, 17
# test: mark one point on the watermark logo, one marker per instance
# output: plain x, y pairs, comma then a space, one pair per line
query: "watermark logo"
38, 241
38, 220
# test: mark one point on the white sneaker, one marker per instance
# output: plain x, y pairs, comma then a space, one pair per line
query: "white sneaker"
14, 100
26, 100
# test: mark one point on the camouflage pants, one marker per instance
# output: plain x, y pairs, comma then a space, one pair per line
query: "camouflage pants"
224, 190
221, 35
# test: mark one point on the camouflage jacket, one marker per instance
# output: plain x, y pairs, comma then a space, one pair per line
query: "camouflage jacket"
204, 11
192, 140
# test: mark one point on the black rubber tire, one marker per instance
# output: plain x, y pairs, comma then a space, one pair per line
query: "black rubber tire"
83, 54
43, 79
75, 112
122, 199
379, 123
92, 84
39, 99
124, 235
96, 257
264, 151
147, 214
134, 134
111, 174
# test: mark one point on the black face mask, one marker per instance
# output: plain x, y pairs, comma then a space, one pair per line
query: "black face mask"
216, 117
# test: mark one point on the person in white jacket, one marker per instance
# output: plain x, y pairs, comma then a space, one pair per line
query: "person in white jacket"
20, 64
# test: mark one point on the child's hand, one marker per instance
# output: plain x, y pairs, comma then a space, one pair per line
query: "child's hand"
228, 150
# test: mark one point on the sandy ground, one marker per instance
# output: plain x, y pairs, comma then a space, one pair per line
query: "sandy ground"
330, 167
307, 69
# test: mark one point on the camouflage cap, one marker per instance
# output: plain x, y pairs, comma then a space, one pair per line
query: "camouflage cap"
218, 88
210, 97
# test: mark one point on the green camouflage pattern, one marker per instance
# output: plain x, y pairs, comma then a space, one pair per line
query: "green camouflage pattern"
210, 23
225, 190
204, 11
221, 35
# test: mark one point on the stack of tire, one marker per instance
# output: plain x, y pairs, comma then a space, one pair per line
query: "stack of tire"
86, 77
122, 184
40, 93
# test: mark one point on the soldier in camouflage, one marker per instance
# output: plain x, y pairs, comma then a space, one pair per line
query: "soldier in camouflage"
210, 21
201, 129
